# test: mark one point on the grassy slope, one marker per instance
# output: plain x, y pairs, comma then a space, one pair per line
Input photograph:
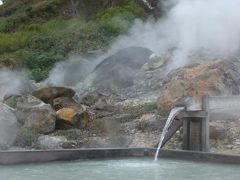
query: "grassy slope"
35, 34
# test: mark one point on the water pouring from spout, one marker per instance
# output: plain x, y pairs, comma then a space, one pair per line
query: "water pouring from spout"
174, 112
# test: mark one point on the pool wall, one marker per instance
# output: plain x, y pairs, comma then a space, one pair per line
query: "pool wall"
40, 156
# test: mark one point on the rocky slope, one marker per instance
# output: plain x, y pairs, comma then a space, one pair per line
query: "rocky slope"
127, 116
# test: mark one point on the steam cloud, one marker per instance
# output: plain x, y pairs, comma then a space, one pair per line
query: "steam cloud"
13, 82
74, 71
189, 26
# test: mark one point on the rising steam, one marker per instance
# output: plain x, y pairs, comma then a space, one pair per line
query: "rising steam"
13, 82
188, 26
212, 26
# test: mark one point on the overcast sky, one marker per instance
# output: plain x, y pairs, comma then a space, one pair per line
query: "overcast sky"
0, 2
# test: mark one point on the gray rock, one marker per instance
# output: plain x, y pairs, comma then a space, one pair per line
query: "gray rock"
33, 113
51, 142
8, 125
118, 71
217, 131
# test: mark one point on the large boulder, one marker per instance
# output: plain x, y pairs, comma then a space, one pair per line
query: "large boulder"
118, 71
8, 125
33, 113
76, 117
100, 104
65, 102
218, 77
48, 94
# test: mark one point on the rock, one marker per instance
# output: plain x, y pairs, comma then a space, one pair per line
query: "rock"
218, 77
48, 94
91, 98
101, 104
64, 102
66, 114
8, 125
100, 100
51, 142
150, 122
70, 145
118, 71
78, 118
217, 131
156, 61
143, 139
33, 113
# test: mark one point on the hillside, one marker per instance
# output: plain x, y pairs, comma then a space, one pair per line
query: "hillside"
35, 34
122, 97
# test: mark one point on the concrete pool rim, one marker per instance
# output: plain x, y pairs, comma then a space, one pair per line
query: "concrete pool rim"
41, 156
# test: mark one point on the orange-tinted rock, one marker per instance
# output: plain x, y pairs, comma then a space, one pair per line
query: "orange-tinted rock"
48, 94
218, 77
65, 102
73, 116
66, 114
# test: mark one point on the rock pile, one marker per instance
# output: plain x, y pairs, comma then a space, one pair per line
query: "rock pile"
131, 93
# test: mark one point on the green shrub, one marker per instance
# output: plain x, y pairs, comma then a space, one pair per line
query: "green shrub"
44, 9
42, 42
116, 20
10, 42
9, 7
11, 102
11, 23
27, 137
39, 63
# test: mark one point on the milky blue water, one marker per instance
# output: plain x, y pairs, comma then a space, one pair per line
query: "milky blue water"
121, 169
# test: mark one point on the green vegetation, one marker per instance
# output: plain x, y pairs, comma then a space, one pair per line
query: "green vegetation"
26, 137
35, 34
11, 102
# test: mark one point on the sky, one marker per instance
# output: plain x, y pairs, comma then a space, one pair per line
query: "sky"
0, 2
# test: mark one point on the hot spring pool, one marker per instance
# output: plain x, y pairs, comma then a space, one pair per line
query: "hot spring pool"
121, 169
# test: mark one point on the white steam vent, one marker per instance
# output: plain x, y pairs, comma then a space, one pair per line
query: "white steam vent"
189, 26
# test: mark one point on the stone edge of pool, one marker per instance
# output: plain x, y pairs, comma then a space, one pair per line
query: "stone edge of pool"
40, 156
